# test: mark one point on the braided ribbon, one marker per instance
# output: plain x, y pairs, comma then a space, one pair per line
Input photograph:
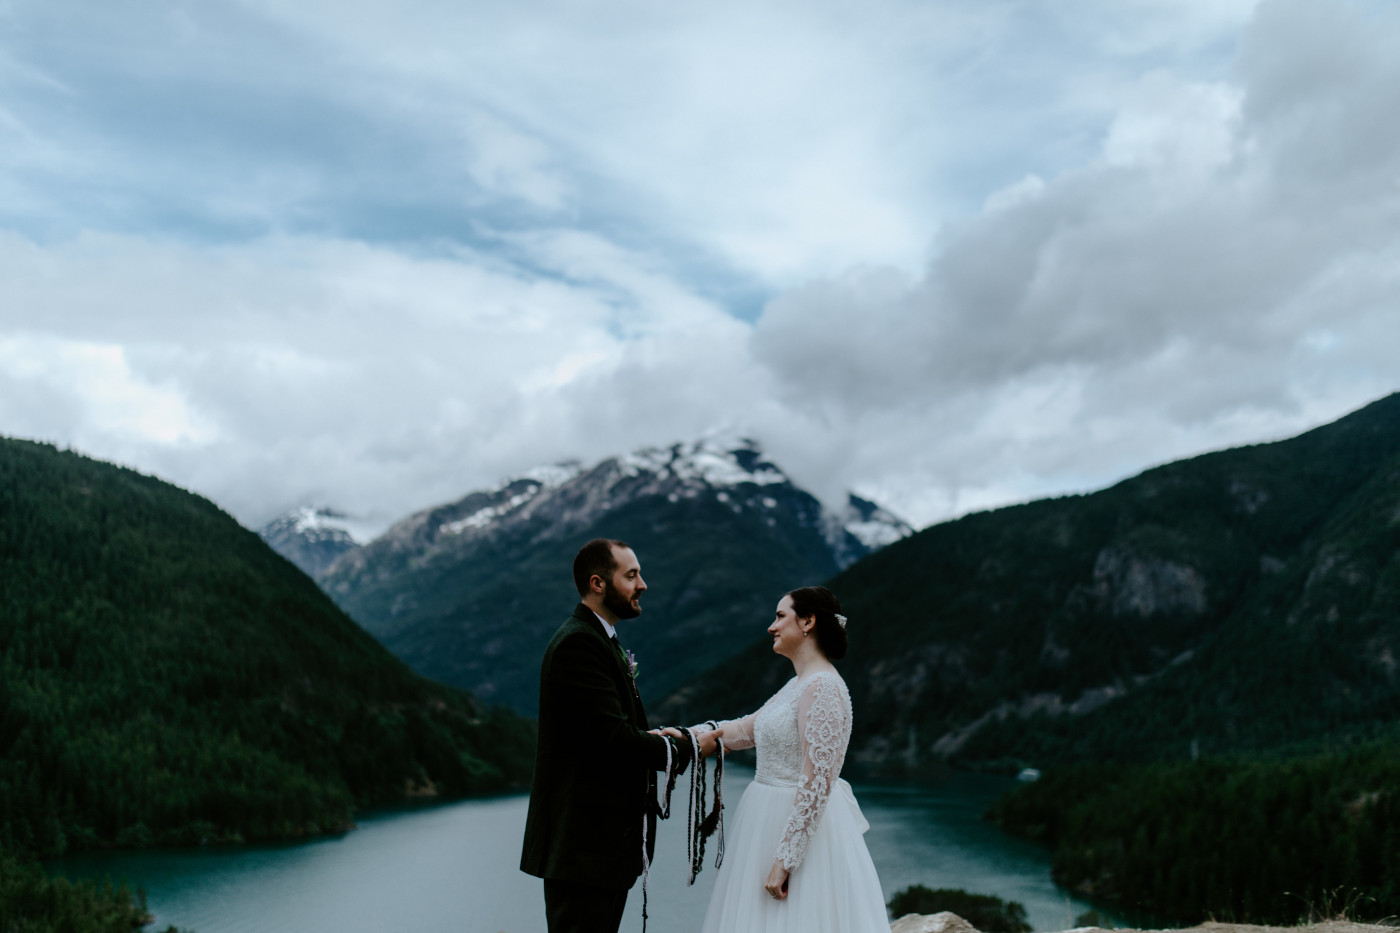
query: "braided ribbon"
663, 811
699, 825
714, 822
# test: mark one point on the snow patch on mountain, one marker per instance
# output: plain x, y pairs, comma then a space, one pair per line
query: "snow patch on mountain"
308, 519
713, 461
313, 536
873, 526
865, 521
717, 465
877, 534
537, 480
552, 476
321, 523
483, 517
552, 499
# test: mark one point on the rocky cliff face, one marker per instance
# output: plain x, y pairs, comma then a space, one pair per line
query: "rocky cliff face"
468, 592
1139, 585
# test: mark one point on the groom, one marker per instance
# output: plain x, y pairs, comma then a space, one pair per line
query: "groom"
595, 763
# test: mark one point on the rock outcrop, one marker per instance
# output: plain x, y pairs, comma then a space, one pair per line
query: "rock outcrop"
942, 922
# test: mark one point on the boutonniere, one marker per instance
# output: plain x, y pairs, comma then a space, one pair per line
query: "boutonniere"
631, 665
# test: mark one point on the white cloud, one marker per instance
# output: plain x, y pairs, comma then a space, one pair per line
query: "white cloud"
1022, 192
378, 255
512, 164
1155, 303
96, 384
1170, 126
292, 368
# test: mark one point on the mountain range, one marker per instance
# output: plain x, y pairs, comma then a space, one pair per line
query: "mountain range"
1241, 600
168, 678
468, 592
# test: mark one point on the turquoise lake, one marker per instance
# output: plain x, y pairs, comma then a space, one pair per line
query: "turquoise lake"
452, 868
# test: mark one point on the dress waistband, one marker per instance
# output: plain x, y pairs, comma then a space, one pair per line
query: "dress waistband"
772, 781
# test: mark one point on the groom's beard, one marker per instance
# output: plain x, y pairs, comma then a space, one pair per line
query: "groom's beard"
622, 608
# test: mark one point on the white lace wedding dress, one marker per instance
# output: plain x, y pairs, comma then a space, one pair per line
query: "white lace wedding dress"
798, 810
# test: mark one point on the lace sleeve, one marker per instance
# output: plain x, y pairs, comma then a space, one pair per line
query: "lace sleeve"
824, 723
737, 733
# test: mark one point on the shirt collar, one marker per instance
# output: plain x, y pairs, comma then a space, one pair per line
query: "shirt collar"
612, 632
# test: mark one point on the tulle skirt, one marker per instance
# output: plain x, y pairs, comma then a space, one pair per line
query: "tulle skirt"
834, 890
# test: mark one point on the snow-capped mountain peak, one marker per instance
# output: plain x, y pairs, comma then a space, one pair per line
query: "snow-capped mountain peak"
511, 494
487, 514
869, 524
556, 500
310, 520
552, 476
713, 461
731, 469
721, 527
311, 536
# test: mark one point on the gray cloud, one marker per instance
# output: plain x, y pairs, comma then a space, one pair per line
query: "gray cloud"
1223, 271
292, 369
376, 256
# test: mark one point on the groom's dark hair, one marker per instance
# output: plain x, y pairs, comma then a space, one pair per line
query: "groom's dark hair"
595, 558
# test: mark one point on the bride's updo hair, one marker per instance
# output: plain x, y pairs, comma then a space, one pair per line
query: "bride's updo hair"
820, 603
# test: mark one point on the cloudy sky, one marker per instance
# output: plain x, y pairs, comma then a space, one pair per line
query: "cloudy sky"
949, 253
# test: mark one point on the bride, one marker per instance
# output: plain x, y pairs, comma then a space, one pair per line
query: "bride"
797, 861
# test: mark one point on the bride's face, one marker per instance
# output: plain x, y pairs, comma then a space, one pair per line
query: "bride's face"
787, 629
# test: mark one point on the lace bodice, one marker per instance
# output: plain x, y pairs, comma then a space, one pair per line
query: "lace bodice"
801, 734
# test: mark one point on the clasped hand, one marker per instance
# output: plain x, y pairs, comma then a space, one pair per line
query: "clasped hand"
706, 740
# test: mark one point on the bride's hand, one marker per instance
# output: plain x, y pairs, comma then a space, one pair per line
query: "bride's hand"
777, 883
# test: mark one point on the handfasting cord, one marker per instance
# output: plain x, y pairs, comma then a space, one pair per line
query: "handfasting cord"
715, 821
701, 826
663, 805
697, 772
663, 810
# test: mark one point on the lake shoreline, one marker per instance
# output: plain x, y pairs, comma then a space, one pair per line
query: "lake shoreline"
423, 865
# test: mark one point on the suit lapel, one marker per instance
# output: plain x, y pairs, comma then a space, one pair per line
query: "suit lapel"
628, 684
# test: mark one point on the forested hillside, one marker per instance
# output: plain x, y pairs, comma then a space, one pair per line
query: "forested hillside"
1203, 658
1259, 839
165, 677
1245, 599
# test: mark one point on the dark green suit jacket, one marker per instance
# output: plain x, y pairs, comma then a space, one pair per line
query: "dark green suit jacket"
595, 763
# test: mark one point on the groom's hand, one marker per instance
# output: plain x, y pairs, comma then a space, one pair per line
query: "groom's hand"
674, 733
706, 740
